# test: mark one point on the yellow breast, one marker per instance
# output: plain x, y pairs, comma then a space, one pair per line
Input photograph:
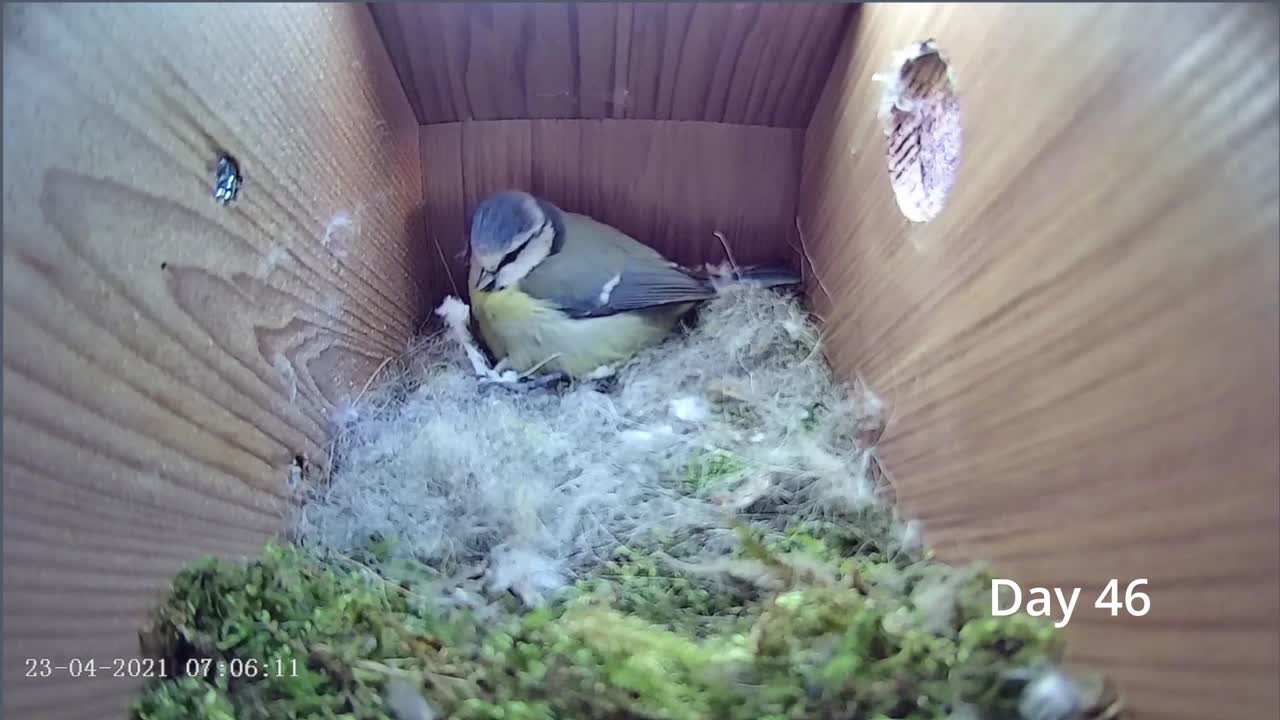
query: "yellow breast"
530, 334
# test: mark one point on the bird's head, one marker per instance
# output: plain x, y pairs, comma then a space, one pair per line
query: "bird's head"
511, 233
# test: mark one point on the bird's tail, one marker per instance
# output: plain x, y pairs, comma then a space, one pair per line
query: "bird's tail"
768, 277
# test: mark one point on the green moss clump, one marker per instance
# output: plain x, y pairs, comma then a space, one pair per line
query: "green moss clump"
710, 468
642, 586
814, 633
185, 698
309, 640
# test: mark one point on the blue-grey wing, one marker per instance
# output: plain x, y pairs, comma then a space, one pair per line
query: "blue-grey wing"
601, 271
588, 290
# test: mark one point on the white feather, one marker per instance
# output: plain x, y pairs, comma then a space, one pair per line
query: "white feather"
607, 290
457, 316
690, 409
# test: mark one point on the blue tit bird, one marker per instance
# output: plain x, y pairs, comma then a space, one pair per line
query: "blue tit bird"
558, 292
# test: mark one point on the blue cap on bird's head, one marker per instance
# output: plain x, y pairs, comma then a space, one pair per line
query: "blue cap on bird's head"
511, 233
504, 221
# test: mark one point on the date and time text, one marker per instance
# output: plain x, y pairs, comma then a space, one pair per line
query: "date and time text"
151, 668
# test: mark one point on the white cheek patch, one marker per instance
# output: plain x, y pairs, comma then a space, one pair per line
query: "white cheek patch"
534, 252
607, 290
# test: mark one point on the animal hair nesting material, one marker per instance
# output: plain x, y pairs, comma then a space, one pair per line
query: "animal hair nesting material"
696, 538
537, 488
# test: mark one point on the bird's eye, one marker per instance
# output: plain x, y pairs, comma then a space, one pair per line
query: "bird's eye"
509, 258
514, 252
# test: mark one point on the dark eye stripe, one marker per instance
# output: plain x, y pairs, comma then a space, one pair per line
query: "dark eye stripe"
509, 258
515, 252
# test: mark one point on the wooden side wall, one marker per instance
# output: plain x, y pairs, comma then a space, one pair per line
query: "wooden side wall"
1081, 352
165, 358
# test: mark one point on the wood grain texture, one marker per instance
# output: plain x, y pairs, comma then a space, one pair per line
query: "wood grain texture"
165, 358
1081, 350
672, 185
738, 63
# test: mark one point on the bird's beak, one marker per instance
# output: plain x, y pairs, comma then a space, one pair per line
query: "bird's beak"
486, 280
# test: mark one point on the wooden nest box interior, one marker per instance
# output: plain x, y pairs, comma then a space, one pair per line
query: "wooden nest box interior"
1052, 250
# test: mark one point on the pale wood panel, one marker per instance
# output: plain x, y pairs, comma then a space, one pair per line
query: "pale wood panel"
672, 185
742, 63
1081, 350
165, 358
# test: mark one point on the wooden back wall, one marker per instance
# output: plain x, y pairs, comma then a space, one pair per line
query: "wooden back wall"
672, 121
1081, 351
735, 63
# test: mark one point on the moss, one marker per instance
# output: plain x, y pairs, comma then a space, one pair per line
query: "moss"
709, 468
641, 586
827, 635
322, 638
185, 698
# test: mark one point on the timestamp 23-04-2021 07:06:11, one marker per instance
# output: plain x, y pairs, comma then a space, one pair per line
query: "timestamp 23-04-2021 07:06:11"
152, 668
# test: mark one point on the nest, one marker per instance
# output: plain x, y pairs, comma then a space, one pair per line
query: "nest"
701, 536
